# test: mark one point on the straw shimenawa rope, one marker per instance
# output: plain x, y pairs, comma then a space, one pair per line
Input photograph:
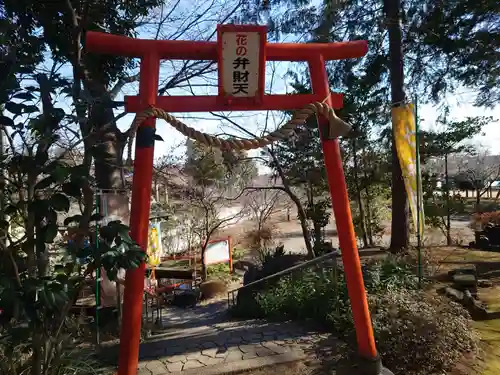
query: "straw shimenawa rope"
337, 127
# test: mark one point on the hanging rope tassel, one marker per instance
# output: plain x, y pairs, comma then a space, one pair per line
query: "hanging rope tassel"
336, 128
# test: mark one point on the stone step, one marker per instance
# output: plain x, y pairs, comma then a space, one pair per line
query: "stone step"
217, 360
465, 280
469, 270
246, 365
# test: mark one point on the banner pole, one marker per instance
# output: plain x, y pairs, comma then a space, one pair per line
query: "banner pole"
419, 195
98, 197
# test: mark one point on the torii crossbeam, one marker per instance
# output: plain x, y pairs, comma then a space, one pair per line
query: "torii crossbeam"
241, 52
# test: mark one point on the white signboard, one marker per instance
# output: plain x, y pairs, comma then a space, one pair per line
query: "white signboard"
240, 63
217, 252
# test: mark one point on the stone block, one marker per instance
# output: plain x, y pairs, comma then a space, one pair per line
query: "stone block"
212, 353
274, 347
247, 348
176, 359
207, 361
156, 368
454, 294
264, 352
192, 364
250, 355
194, 356
465, 280
233, 357
175, 367
484, 283
469, 270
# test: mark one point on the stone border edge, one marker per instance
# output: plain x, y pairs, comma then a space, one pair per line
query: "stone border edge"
245, 365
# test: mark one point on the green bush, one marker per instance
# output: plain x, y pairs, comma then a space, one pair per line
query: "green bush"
392, 273
416, 333
238, 253
221, 272
276, 260
309, 296
38, 333
271, 261
266, 255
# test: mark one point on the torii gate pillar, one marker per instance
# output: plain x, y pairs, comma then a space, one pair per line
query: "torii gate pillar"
241, 89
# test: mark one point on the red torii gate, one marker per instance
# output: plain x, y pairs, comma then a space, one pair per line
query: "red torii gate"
315, 54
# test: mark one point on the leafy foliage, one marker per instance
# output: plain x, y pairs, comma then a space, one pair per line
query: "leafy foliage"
204, 164
36, 297
451, 136
416, 333
38, 307
455, 37
37, 287
446, 43
436, 147
437, 206
212, 167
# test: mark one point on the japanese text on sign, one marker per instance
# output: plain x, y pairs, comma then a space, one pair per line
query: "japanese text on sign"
240, 54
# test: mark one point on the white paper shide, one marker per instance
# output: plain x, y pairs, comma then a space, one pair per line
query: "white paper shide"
240, 63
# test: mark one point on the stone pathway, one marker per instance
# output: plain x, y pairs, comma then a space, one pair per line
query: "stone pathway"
201, 340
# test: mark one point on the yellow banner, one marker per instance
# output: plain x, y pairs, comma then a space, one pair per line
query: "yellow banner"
403, 125
154, 245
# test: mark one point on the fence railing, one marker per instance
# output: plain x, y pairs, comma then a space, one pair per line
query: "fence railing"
332, 256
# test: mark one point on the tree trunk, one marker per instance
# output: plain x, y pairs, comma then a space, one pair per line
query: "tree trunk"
109, 147
303, 222
204, 269
3, 231
369, 217
447, 192
478, 199
362, 219
369, 200
399, 224
300, 209
318, 235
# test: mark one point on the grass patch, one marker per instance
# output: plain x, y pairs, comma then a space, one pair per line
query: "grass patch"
221, 272
182, 263
489, 332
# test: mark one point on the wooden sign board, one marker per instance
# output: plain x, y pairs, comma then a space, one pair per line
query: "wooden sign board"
242, 62
219, 251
